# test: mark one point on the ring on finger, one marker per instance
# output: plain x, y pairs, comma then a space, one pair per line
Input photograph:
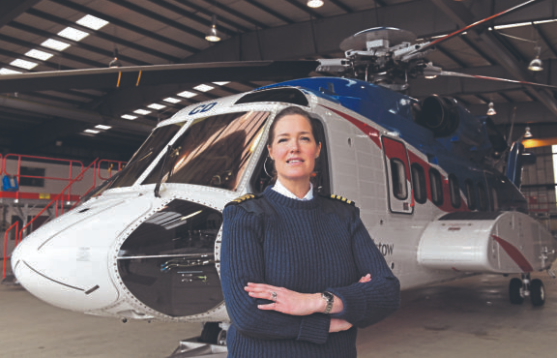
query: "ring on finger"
274, 296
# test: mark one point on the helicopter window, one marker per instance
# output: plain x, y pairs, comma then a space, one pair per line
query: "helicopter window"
214, 151
288, 95
398, 172
494, 199
482, 195
418, 181
454, 191
144, 156
436, 186
470, 194
263, 172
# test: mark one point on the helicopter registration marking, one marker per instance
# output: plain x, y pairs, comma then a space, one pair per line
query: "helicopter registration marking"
203, 108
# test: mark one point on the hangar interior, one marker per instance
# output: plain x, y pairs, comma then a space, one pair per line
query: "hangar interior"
70, 128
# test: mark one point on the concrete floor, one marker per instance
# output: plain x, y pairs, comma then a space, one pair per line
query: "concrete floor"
466, 318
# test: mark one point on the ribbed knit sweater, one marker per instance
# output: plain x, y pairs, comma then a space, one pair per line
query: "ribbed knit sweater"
309, 247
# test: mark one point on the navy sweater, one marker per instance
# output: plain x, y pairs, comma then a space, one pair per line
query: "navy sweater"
308, 247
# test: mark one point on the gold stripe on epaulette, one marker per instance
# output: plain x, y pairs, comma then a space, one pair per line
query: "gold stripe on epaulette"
243, 198
342, 199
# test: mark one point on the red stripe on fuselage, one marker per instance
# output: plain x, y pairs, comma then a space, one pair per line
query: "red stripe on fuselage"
374, 135
515, 254
368, 130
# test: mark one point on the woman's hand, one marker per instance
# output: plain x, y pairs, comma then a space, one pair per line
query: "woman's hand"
339, 325
290, 302
285, 300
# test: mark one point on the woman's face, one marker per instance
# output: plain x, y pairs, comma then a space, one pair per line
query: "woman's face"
294, 149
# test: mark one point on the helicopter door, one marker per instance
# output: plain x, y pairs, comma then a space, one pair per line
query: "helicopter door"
398, 176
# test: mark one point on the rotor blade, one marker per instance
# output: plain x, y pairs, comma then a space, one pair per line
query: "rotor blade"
110, 78
481, 77
483, 21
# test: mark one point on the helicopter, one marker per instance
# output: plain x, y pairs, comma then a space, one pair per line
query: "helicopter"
427, 176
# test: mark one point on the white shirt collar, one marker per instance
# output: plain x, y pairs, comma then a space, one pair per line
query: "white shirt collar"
279, 187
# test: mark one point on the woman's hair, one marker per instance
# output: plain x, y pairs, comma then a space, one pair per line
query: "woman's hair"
292, 110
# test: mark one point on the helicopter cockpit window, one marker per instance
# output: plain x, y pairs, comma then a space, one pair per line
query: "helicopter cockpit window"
289, 95
398, 172
483, 204
454, 190
418, 180
144, 156
214, 151
436, 187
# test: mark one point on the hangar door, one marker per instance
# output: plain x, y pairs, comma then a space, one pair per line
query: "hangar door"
398, 176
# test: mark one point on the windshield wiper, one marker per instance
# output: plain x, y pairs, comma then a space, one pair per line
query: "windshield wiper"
170, 152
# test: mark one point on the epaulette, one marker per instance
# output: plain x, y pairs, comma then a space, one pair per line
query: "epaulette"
241, 199
342, 199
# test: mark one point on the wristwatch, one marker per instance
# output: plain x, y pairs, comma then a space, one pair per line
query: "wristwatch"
330, 299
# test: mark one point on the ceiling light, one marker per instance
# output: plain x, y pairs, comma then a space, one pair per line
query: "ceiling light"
221, 83
55, 45
187, 94
527, 133
92, 22
115, 62
213, 34
28, 65
5, 71
203, 88
156, 106
172, 100
142, 112
92, 131
536, 64
129, 117
315, 3
103, 127
491, 109
73, 34
38, 54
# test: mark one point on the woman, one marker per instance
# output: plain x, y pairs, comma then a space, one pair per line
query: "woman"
299, 271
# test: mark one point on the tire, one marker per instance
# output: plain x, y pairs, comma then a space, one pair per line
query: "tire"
210, 333
537, 293
515, 287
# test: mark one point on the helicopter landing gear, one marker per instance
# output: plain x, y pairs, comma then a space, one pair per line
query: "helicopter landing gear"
519, 289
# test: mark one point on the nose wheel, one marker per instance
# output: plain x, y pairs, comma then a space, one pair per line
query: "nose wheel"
522, 288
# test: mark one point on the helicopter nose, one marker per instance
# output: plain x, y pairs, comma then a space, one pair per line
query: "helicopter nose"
67, 261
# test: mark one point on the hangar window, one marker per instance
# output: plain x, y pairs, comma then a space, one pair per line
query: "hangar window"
436, 186
470, 194
482, 196
398, 172
418, 181
288, 95
454, 190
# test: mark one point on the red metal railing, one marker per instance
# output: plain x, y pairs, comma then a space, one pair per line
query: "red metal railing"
5, 259
18, 175
59, 199
111, 165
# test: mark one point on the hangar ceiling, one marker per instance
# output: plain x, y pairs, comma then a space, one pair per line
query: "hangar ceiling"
145, 32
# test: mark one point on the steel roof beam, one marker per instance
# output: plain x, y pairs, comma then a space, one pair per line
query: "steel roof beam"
270, 11
209, 13
80, 45
193, 17
74, 114
127, 26
305, 9
102, 35
478, 50
545, 39
342, 6
11, 9
453, 58
237, 14
461, 15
